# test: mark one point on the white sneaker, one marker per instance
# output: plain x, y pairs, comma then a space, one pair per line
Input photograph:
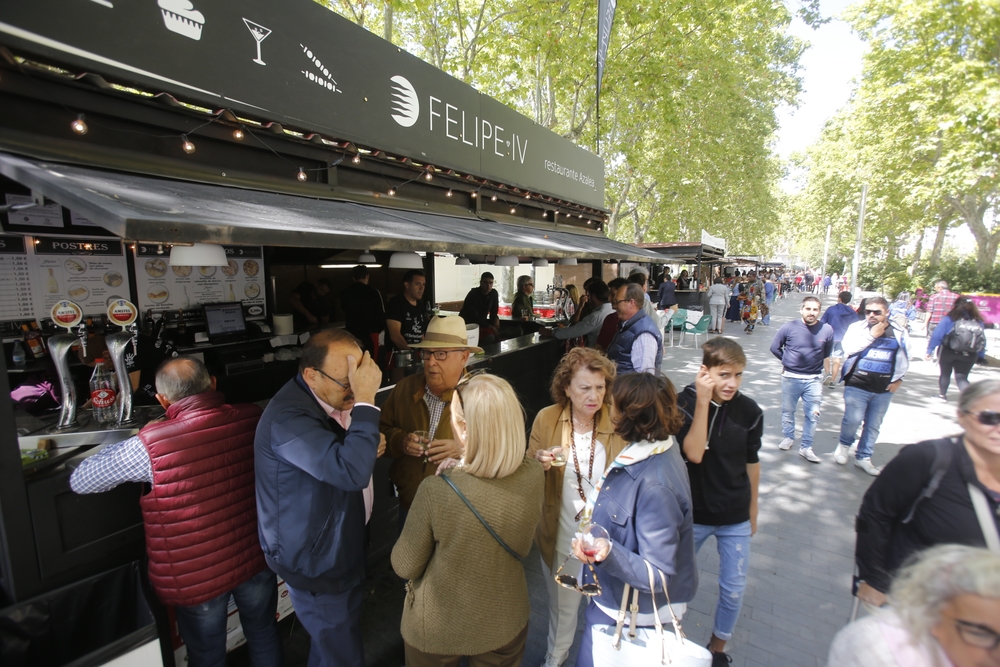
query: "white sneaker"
809, 455
786, 443
867, 466
550, 661
840, 455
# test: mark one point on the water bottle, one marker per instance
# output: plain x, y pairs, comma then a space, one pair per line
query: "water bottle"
17, 355
103, 395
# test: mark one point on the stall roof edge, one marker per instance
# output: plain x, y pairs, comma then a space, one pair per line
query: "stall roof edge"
150, 209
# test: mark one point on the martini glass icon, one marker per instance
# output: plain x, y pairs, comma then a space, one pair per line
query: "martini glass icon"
259, 33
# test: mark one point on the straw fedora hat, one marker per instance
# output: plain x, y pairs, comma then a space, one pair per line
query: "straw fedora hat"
446, 332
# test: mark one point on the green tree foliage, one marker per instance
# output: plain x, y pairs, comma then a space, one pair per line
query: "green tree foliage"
687, 106
922, 130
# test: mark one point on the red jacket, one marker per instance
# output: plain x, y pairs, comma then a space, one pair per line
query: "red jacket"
201, 514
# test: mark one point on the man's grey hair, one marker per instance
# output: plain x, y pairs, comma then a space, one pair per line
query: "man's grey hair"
934, 577
521, 281
976, 391
634, 293
181, 377
941, 284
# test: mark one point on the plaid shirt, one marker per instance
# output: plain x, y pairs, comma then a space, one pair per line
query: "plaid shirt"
125, 461
435, 408
940, 304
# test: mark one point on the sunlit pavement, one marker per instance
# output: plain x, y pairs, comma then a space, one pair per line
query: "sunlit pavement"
798, 590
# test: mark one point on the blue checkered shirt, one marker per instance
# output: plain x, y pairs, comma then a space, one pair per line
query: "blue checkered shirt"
125, 461
435, 408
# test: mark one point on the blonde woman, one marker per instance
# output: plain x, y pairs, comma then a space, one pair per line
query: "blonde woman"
580, 425
467, 594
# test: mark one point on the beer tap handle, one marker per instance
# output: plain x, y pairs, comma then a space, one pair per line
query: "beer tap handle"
134, 330
81, 333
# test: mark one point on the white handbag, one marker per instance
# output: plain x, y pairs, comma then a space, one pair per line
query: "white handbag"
646, 647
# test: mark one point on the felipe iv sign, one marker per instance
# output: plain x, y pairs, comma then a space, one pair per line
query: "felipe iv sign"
302, 65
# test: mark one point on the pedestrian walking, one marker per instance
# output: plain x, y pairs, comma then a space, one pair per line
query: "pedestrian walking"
878, 356
961, 338
718, 295
724, 471
752, 302
802, 345
769, 291
839, 316
940, 303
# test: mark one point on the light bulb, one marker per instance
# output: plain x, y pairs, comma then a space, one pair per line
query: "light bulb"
494, 197
79, 125
474, 195
187, 146
356, 159
513, 210
392, 192
581, 216
527, 196
238, 134
303, 176
448, 194
428, 176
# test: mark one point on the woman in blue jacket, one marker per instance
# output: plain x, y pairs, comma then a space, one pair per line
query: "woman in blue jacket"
962, 339
644, 502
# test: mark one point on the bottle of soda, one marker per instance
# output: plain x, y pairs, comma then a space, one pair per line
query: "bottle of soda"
104, 395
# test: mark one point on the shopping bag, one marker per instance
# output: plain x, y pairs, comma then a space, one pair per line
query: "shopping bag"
644, 646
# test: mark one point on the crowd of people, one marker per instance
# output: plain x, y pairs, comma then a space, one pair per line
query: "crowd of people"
619, 483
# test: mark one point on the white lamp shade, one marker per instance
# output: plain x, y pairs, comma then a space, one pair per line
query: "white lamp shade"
540, 262
462, 260
406, 260
198, 254
367, 258
507, 260
567, 261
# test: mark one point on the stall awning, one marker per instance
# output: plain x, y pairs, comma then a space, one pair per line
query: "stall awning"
683, 251
143, 208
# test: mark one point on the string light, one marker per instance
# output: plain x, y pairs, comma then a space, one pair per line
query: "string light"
392, 192
474, 195
187, 146
302, 176
494, 198
356, 159
238, 134
429, 176
448, 194
79, 125
527, 195
513, 210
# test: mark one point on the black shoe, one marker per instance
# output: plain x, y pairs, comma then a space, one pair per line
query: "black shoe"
721, 659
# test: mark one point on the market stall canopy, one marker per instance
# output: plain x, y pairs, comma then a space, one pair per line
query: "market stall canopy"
170, 211
683, 251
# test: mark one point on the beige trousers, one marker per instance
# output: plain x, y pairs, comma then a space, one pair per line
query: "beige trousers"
564, 608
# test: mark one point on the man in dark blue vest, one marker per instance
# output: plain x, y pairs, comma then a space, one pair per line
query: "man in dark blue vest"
638, 345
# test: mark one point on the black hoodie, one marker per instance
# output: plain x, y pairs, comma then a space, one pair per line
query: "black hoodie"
720, 486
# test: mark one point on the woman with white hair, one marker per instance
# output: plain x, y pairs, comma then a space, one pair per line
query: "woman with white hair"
945, 612
465, 535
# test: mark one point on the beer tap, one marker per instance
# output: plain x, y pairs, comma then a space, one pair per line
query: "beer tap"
117, 345
59, 347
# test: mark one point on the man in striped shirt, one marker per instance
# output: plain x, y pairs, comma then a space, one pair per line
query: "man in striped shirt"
939, 305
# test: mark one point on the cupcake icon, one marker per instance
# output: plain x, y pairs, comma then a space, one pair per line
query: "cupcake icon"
181, 17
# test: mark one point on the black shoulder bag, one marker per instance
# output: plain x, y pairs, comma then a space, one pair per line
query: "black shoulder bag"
479, 516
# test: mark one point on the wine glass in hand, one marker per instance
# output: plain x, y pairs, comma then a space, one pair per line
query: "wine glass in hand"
593, 543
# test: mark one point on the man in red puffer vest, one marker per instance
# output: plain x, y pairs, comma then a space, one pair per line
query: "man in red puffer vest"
200, 514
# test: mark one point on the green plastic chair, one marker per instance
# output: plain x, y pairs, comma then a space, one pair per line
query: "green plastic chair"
696, 329
677, 324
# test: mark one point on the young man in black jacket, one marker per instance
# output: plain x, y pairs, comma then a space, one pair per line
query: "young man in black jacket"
720, 440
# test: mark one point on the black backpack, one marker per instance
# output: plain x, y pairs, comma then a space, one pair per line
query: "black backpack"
967, 337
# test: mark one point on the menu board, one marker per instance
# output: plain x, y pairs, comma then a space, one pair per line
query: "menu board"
38, 271
165, 287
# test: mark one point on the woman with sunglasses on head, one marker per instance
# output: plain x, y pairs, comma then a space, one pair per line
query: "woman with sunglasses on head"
644, 503
465, 535
928, 495
578, 429
945, 613
961, 337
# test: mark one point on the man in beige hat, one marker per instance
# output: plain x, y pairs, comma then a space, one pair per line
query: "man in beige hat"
420, 403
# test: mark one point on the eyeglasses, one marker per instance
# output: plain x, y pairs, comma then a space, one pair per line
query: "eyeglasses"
977, 635
985, 417
616, 302
570, 582
873, 312
440, 355
346, 387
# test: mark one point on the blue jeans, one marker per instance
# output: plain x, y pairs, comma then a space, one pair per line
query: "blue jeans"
861, 405
811, 393
203, 626
733, 543
766, 320
333, 621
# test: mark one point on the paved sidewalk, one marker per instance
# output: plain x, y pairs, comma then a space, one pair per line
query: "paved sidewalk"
798, 592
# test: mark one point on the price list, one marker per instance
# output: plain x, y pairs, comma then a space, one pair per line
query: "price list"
16, 298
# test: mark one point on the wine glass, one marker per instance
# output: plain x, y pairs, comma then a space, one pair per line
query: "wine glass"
558, 456
593, 539
425, 439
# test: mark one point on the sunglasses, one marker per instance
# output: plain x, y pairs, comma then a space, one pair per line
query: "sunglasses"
985, 417
571, 582
872, 312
